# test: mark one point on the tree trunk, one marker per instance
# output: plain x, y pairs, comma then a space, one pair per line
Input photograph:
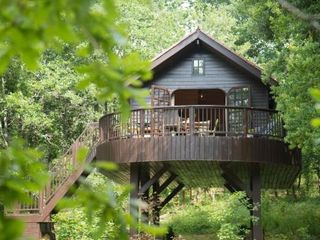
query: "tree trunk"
4, 120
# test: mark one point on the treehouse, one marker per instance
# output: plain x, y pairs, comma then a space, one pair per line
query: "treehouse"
210, 123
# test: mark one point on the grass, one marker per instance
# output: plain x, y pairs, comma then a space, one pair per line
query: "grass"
199, 237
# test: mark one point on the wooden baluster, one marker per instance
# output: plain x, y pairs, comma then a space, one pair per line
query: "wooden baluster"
191, 119
245, 130
41, 201
74, 153
142, 115
102, 129
108, 136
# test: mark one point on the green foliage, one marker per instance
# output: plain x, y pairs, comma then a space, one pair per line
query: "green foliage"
283, 218
81, 45
291, 219
74, 223
41, 106
226, 217
44, 107
293, 94
192, 220
287, 48
96, 211
315, 122
158, 25
228, 231
20, 172
89, 25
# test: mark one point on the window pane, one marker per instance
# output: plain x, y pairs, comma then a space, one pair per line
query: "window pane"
198, 66
239, 97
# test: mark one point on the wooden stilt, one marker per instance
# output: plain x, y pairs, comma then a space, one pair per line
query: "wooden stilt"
233, 184
134, 181
144, 173
255, 187
155, 204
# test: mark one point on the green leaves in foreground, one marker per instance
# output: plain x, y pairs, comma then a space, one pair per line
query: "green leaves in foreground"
101, 208
315, 122
315, 93
91, 26
20, 173
102, 205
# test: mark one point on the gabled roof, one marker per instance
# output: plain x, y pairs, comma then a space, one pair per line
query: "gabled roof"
213, 46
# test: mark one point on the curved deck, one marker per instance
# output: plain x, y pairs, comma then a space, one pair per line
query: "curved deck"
195, 141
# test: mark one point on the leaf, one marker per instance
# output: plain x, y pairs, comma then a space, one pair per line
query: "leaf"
315, 122
82, 154
108, 166
315, 93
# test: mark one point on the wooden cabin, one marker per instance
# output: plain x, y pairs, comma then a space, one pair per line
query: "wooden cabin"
210, 123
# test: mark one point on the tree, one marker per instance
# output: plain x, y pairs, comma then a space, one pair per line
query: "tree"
287, 47
27, 30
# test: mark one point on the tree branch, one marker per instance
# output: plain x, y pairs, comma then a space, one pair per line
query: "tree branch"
312, 18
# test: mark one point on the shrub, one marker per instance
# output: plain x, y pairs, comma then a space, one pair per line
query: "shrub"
225, 217
228, 231
192, 220
293, 219
72, 224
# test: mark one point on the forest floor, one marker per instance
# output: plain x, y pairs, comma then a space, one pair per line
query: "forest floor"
197, 237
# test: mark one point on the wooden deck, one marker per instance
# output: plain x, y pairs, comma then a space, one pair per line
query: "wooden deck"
193, 141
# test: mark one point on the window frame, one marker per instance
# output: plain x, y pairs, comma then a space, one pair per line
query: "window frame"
239, 88
235, 116
197, 73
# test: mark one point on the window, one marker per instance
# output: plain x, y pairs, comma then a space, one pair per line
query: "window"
239, 97
198, 66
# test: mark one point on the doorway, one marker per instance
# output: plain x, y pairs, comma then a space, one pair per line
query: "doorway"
199, 97
206, 119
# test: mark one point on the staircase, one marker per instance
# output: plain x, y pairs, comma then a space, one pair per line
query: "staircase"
64, 172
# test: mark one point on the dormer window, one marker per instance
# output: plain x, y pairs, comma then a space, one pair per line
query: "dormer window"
198, 66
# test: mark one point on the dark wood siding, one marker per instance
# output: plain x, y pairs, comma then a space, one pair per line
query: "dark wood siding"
219, 73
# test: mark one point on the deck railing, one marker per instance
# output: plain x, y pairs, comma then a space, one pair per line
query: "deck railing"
60, 170
200, 120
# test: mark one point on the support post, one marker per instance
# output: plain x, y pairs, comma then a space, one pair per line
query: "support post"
255, 186
155, 204
233, 181
134, 181
144, 173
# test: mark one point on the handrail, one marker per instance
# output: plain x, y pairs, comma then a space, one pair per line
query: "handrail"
192, 120
60, 170
179, 106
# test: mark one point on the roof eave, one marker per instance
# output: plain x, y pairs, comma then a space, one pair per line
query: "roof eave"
215, 46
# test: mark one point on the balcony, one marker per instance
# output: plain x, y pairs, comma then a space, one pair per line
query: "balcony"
193, 120
195, 140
